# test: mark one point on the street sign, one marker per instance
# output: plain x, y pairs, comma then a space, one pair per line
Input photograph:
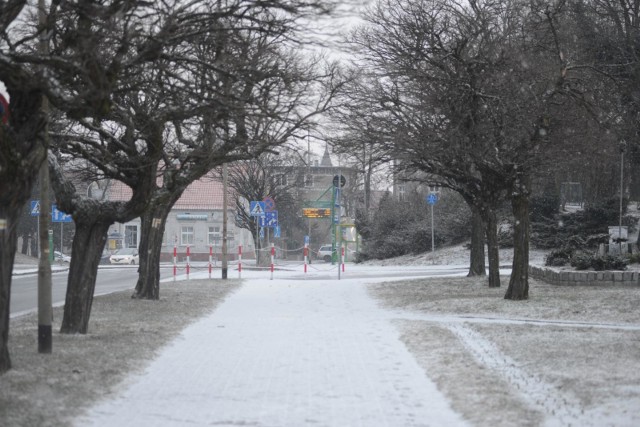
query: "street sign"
269, 204
256, 208
318, 204
316, 213
271, 218
306, 240
261, 233
59, 216
432, 198
276, 232
35, 207
339, 180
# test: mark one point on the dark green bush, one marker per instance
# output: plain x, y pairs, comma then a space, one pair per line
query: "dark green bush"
559, 257
609, 262
634, 258
581, 261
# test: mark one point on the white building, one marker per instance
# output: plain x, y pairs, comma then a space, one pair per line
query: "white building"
195, 222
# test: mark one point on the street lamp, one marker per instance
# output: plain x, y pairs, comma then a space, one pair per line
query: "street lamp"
623, 148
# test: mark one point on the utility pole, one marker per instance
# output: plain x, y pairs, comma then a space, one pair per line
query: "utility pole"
45, 312
623, 148
225, 185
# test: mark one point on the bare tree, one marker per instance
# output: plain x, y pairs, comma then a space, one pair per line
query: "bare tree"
359, 132
268, 175
466, 104
98, 52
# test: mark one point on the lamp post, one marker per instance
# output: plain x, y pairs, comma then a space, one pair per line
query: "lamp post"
45, 311
623, 148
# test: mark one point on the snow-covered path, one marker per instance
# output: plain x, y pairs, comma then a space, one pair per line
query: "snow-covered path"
283, 353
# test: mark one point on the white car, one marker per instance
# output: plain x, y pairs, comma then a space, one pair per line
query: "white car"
125, 256
324, 253
59, 256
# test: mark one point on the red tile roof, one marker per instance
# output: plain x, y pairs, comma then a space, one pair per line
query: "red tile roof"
204, 194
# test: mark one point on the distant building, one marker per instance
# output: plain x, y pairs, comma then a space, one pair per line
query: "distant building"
195, 222
313, 184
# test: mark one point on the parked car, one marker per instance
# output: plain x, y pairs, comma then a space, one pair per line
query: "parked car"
324, 253
59, 256
104, 259
125, 256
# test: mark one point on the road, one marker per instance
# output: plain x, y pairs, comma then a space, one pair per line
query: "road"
24, 289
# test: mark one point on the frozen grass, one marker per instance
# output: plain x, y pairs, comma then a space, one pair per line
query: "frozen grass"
124, 335
568, 353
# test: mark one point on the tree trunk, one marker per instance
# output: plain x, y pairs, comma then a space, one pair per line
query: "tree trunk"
476, 255
519, 282
22, 151
8, 245
493, 249
88, 243
24, 249
153, 222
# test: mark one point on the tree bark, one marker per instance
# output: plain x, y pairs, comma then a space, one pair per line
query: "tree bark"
493, 248
8, 244
153, 223
477, 255
22, 151
88, 243
519, 282
92, 219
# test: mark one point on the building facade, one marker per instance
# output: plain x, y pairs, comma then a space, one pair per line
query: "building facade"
195, 222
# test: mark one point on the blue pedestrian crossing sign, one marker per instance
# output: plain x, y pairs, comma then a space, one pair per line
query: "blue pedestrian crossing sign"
276, 232
35, 207
256, 208
56, 215
261, 233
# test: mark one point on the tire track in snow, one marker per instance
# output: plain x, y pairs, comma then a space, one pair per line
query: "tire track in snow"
561, 409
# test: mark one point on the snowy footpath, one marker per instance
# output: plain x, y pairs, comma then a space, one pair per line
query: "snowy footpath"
283, 352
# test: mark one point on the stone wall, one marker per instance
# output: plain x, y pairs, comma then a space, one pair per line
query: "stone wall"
585, 278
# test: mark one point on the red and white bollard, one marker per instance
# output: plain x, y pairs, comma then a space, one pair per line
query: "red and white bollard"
175, 262
273, 254
188, 261
305, 253
342, 258
210, 259
239, 261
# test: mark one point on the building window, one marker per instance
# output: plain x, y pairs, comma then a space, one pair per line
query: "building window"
214, 236
186, 236
131, 236
308, 180
401, 192
281, 180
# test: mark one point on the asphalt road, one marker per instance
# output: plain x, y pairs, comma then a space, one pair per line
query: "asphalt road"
24, 288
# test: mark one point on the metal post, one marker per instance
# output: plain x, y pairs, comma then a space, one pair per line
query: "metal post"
45, 310
175, 262
305, 253
433, 240
188, 261
273, 253
210, 259
225, 183
239, 261
622, 150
